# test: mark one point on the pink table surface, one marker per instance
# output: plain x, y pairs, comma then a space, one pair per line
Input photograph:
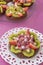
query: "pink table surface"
35, 21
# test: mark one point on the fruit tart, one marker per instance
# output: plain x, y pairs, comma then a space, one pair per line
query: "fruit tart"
24, 3
24, 43
2, 6
15, 12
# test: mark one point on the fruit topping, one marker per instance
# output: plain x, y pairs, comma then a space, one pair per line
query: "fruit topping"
13, 42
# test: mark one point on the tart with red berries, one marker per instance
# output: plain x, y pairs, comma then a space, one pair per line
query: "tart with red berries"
24, 43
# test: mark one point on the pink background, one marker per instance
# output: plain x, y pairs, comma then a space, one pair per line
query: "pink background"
34, 20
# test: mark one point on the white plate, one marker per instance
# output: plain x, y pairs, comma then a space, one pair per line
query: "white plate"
12, 58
